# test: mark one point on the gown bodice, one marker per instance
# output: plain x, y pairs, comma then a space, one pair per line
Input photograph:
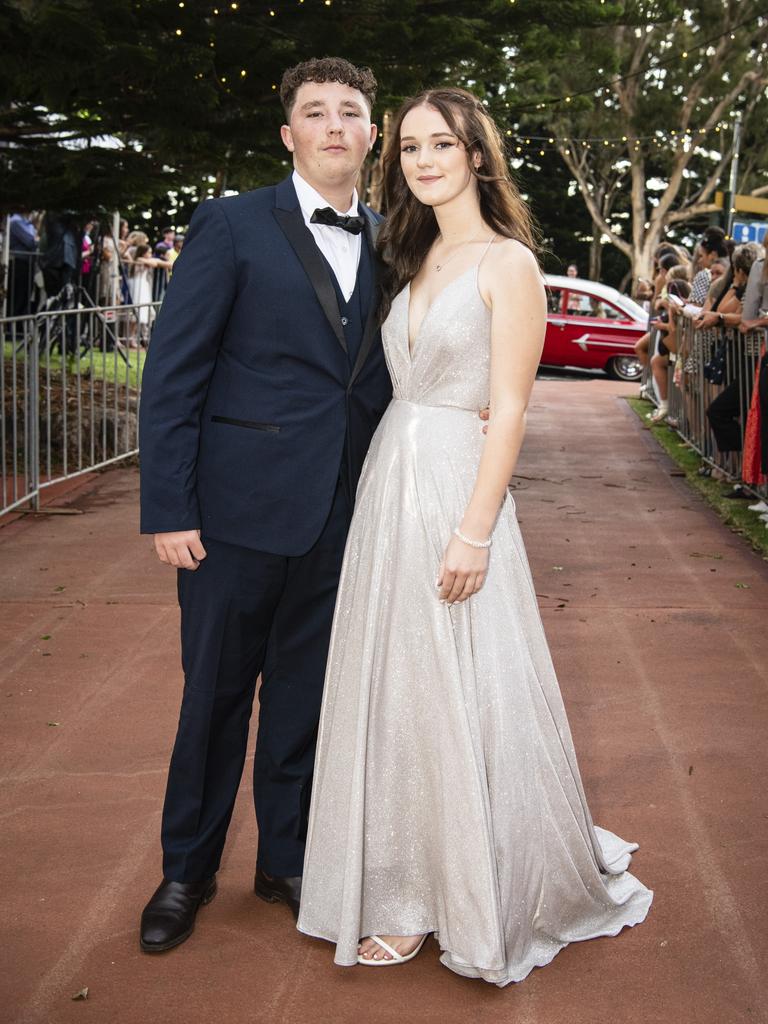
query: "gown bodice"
450, 362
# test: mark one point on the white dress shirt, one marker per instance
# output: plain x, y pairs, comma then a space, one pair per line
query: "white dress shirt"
340, 247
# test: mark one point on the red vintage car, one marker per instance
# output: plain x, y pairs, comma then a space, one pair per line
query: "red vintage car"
592, 326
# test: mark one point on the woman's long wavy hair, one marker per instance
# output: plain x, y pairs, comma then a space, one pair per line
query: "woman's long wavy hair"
411, 227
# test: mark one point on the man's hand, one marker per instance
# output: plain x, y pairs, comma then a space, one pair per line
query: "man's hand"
182, 550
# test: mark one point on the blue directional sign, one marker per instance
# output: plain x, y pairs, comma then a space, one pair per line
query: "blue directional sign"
753, 231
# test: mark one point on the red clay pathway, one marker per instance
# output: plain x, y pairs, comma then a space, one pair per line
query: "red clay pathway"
657, 619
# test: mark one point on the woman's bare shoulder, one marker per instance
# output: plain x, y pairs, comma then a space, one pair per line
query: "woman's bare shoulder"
510, 254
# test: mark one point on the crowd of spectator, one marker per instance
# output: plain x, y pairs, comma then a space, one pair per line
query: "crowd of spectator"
707, 314
57, 261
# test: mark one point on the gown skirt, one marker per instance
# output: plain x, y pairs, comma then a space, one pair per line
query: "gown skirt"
447, 796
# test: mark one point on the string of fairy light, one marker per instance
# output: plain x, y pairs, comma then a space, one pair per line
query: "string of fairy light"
524, 144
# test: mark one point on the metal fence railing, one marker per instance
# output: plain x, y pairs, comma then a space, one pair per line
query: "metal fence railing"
69, 389
714, 397
70, 380
24, 289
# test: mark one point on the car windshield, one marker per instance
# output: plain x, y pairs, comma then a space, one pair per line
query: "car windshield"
581, 304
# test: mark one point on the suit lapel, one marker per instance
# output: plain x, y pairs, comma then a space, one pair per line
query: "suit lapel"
371, 324
292, 223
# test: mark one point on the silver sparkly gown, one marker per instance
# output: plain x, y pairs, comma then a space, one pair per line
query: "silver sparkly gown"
447, 797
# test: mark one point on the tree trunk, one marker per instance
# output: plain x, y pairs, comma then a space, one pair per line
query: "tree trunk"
220, 183
595, 253
376, 178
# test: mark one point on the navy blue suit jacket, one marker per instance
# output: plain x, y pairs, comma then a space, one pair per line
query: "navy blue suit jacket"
248, 394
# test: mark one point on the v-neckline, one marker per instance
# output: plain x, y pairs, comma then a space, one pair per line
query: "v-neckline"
428, 310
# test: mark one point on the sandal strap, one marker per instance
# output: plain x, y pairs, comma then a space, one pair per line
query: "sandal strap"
387, 948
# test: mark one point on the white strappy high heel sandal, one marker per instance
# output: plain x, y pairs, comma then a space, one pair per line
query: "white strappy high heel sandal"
397, 958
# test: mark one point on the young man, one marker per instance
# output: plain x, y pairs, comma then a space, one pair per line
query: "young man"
264, 383
165, 244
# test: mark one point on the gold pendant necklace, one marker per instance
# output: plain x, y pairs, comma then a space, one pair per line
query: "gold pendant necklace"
439, 266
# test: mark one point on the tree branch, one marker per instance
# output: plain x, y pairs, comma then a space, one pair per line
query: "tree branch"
682, 159
689, 212
594, 210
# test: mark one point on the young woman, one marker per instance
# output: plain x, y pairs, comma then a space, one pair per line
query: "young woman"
447, 798
659, 277
677, 284
141, 265
727, 412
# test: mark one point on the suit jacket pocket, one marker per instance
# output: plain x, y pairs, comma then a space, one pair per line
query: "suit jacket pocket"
271, 427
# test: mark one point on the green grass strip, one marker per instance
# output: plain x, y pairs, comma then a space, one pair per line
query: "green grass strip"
733, 511
101, 365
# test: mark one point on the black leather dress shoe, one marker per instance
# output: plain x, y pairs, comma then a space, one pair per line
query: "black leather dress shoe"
278, 890
169, 917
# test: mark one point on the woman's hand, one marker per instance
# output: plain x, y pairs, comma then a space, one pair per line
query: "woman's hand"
706, 320
462, 571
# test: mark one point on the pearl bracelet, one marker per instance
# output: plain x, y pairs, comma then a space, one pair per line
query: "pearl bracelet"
473, 543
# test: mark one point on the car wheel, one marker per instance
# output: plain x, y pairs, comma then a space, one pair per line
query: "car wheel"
624, 368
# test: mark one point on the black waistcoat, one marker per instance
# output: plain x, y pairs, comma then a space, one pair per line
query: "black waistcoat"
354, 312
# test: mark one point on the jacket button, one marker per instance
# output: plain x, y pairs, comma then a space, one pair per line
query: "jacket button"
344, 321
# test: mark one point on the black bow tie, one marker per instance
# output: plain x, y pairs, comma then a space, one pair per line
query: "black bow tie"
329, 217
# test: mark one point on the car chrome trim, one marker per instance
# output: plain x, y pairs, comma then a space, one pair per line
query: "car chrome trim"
585, 340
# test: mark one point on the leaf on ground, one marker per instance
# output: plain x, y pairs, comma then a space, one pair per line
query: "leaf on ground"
58, 590
705, 554
46, 636
81, 995
557, 568
742, 586
53, 723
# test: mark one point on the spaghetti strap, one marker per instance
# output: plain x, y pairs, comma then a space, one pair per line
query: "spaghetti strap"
485, 250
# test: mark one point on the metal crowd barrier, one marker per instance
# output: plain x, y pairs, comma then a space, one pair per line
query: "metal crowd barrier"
69, 390
20, 299
24, 287
690, 399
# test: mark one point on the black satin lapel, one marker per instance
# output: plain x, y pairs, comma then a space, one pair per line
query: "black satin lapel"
372, 323
295, 230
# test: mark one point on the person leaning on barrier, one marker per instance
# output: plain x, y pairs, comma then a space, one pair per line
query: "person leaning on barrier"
712, 248
670, 270
668, 253
727, 311
678, 290
725, 411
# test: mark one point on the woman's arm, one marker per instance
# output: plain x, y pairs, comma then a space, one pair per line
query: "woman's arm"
153, 261
727, 314
512, 286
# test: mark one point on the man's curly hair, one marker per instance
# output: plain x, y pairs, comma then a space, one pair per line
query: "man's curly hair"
326, 69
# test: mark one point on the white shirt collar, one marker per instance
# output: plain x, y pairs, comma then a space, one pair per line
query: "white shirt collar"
311, 200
